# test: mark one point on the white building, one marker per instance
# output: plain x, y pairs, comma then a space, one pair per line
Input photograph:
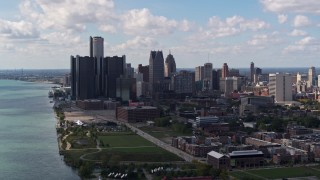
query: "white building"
311, 76
280, 86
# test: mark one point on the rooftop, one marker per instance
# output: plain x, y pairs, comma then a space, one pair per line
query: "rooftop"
245, 153
215, 154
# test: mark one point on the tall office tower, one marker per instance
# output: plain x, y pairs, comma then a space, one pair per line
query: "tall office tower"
234, 72
183, 82
312, 76
169, 66
207, 76
96, 51
230, 84
318, 81
225, 70
129, 70
82, 77
199, 73
280, 86
252, 72
145, 71
73, 77
215, 79
156, 72
115, 67
258, 71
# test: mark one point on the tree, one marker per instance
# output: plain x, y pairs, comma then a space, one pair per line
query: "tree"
86, 170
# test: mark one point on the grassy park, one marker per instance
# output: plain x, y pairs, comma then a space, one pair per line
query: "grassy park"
115, 147
276, 173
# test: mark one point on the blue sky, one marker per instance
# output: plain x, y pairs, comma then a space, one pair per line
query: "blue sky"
271, 33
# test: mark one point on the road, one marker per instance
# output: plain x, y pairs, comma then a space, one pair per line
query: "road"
178, 152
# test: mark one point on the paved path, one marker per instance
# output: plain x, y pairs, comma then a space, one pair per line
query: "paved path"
98, 148
178, 152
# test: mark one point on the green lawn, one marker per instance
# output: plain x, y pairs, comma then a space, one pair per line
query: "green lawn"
278, 173
124, 141
146, 154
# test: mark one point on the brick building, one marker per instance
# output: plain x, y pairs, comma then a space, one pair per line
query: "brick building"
218, 161
137, 114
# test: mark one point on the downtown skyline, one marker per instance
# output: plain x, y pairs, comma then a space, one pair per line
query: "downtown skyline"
271, 33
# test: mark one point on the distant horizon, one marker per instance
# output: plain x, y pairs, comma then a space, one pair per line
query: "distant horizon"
178, 68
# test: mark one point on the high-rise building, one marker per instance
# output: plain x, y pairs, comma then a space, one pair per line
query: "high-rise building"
207, 76
199, 73
225, 70
145, 71
82, 77
252, 72
312, 76
183, 82
156, 72
280, 86
97, 52
169, 66
126, 88
234, 72
115, 67
129, 70
215, 79
230, 84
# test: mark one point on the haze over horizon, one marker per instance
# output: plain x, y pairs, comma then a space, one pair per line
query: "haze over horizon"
42, 34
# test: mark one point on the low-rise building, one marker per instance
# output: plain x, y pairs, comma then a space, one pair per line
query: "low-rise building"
246, 159
133, 114
218, 161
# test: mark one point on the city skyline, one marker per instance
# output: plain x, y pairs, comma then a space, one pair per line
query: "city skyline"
39, 34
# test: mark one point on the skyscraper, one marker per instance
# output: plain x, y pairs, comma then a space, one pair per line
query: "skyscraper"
312, 76
97, 52
252, 72
169, 66
145, 71
156, 71
183, 82
207, 81
280, 86
199, 73
82, 77
115, 68
225, 70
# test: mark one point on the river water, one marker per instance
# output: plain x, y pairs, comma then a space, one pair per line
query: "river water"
28, 139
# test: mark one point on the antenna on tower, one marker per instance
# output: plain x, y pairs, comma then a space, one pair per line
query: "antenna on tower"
169, 51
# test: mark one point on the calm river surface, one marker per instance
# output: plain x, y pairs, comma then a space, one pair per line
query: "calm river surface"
28, 139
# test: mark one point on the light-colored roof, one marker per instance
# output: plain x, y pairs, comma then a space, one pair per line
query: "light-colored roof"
215, 154
245, 153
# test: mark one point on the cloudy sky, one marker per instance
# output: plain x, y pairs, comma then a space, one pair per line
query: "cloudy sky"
271, 33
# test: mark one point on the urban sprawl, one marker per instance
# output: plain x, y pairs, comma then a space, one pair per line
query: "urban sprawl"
205, 123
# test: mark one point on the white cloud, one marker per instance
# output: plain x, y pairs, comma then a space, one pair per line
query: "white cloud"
138, 43
306, 41
108, 28
19, 30
282, 18
142, 21
66, 14
62, 38
301, 21
295, 6
297, 32
229, 27
307, 45
263, 40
